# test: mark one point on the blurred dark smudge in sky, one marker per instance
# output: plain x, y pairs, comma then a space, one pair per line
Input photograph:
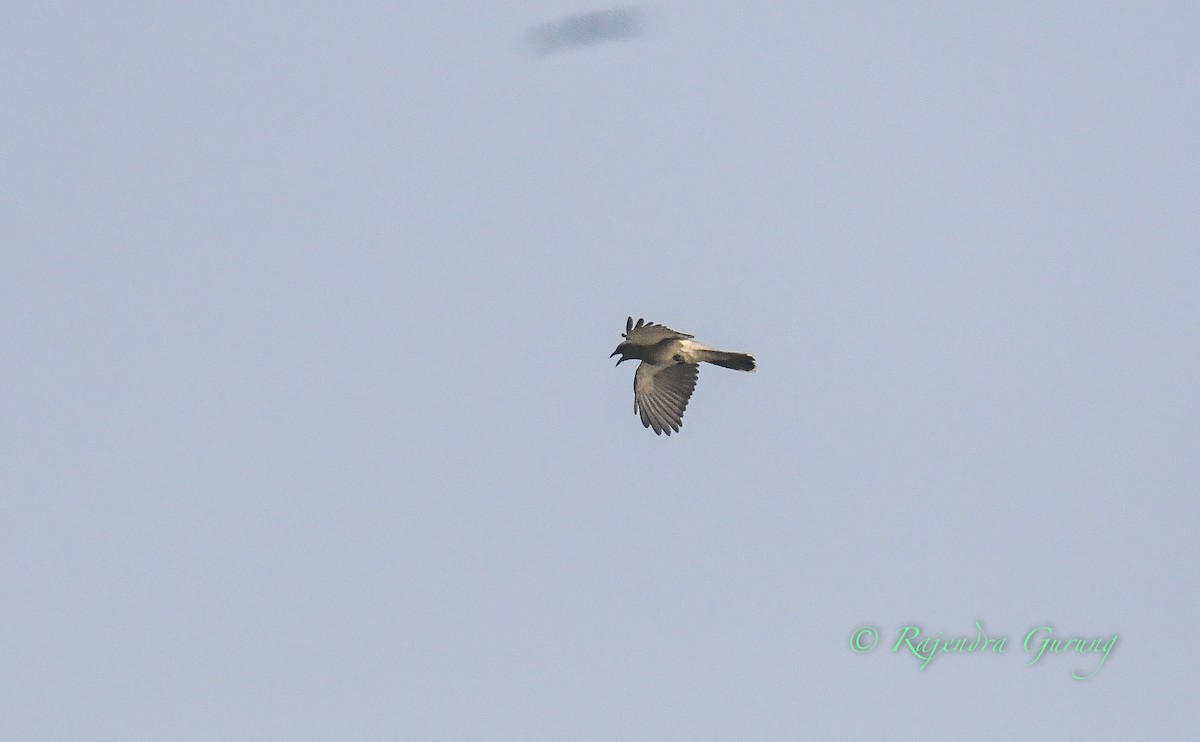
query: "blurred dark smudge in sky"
586, 29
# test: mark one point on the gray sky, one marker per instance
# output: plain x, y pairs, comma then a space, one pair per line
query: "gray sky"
310, 430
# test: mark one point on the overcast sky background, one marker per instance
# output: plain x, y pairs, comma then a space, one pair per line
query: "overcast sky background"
310, 431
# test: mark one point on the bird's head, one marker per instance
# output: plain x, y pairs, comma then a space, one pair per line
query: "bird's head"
623, 350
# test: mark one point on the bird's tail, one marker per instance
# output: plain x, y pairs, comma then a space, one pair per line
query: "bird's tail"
736, 361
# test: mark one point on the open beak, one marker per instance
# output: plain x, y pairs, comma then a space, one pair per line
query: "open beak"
615, 352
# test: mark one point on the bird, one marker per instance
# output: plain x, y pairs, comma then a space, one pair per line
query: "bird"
666, 377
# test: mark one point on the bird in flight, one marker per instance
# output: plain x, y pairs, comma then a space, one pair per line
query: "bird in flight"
666, 376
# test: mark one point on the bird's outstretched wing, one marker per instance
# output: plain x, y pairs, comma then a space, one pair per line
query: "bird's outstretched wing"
648, 333
661, 394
